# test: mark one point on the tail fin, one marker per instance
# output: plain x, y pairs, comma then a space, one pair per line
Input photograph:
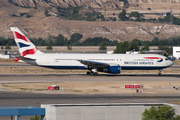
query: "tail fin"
25, 46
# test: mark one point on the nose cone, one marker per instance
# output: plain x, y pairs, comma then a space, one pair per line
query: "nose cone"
171, 63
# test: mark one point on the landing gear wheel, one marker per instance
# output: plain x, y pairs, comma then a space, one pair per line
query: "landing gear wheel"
91, 73
160, 70
88, 73
96, 74
160, 74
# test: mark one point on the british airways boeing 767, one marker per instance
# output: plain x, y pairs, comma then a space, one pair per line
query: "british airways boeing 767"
108, 63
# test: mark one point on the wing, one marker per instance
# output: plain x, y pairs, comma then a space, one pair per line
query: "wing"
94, 64
25, 58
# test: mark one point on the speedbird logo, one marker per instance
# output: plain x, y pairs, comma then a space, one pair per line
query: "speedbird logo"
24, 44
159, 59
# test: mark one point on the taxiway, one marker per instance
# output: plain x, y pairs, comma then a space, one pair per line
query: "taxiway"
19, 98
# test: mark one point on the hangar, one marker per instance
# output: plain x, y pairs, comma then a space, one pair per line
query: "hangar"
109, 111
176, 52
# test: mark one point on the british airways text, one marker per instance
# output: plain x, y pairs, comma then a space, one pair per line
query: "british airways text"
139, 63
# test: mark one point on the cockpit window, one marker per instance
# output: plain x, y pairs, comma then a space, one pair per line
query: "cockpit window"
166, 58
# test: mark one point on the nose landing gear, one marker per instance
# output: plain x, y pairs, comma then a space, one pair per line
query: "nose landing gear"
160, 70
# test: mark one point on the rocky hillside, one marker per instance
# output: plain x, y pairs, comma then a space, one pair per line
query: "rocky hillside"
153, 1
101, 4
120, 31
68, 3
38, 25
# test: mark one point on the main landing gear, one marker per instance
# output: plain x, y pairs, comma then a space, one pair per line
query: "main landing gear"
160, 70
92, 72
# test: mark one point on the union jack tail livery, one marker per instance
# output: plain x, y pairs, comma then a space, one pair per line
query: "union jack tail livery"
25, 46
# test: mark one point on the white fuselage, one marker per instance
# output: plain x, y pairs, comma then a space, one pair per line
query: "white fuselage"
126, 61
109, 63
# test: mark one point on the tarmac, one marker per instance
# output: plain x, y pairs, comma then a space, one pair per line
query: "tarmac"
22, 98
19, 98
37, 78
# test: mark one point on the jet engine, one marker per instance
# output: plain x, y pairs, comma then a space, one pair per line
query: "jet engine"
111, 69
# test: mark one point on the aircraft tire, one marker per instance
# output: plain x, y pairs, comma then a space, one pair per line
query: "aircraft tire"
88, 73
96, 74
91, 73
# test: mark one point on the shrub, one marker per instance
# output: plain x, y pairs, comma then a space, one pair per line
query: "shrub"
16, 4
69, 47
7, 46
22, 14
38, 117
49, 47
164, 112
46, 12
14, 15
28, 16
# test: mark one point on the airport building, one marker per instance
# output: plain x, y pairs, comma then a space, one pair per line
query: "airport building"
176, 52
2, 56
109, 111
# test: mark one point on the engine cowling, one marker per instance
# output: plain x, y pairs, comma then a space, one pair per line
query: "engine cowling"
111, 69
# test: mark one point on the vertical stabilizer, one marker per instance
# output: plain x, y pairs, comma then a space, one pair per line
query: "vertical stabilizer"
25, 46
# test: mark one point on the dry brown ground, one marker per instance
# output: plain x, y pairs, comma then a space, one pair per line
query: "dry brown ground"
155, 7
175, 102
75, 48
96, 87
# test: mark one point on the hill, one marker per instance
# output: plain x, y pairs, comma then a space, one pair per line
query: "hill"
38, 25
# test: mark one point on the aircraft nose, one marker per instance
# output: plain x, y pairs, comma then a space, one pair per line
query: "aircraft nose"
171, 63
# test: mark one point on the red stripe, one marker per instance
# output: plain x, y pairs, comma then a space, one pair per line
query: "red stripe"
152, 58
19, 36
24, 53
30, 51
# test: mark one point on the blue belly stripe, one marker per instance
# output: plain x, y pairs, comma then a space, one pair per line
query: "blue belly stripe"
122, 67
142, 67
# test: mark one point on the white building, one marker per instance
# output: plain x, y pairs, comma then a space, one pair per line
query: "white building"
132, 52
4, 56
103, 111
176, 15
110, 52
176, 52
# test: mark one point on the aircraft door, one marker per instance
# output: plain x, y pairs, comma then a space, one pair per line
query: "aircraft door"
48, 59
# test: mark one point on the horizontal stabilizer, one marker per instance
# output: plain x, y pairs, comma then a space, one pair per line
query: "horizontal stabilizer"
25, 58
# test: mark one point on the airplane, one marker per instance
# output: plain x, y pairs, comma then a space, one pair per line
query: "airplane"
94, 63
